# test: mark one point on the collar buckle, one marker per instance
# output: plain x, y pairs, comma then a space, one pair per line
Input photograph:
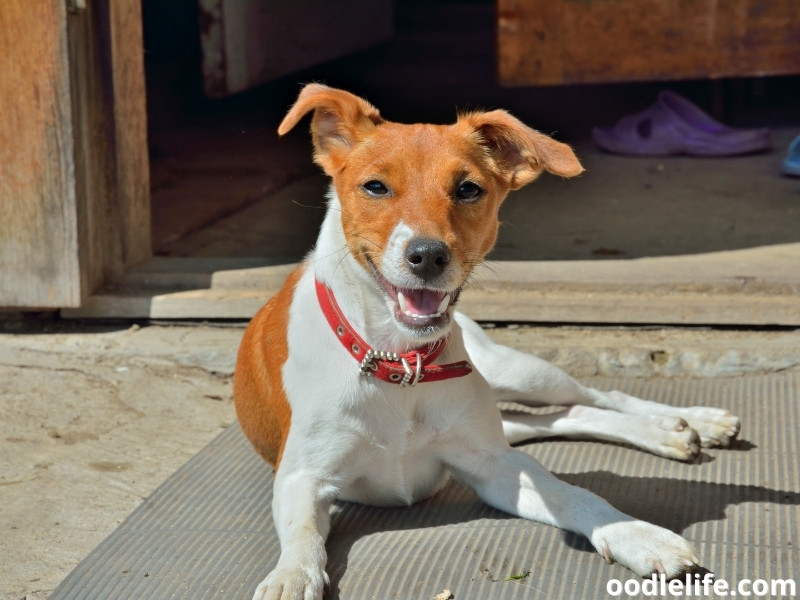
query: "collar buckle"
417, 374
377, 363
368, 364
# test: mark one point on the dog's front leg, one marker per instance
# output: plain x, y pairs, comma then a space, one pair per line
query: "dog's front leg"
516, 483
300, 509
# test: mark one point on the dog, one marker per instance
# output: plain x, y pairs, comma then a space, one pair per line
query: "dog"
359, 380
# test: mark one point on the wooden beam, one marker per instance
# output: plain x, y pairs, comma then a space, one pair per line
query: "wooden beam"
130, 131
248, 42
74, 186
744, 287
553, 42
39, 261
109, 116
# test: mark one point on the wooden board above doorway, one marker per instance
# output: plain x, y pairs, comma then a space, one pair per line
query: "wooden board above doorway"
555, 42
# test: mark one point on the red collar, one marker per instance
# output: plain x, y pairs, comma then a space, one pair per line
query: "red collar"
404, 369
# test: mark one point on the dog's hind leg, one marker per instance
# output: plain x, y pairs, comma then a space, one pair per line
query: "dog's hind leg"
516, 376
666, 436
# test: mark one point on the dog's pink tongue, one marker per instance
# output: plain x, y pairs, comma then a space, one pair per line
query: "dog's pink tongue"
423, 302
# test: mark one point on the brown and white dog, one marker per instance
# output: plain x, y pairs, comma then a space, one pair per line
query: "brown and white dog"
359, 381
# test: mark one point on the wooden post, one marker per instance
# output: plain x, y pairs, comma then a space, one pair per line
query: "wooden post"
112, 168
39, 262
74, 175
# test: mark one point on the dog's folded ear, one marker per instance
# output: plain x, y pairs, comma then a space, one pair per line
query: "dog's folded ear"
519, 152
340, 120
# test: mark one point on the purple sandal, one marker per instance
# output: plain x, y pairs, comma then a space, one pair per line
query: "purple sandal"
673, 125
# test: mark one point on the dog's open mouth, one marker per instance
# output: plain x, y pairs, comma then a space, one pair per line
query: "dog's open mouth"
418, 308
422, 303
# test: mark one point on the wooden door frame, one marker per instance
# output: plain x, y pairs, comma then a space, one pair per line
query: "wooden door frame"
112, 170
75, 206
38, 214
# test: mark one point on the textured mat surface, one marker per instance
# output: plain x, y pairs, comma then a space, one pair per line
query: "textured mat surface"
207, 531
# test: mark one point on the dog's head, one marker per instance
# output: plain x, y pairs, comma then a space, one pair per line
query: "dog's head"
420, 202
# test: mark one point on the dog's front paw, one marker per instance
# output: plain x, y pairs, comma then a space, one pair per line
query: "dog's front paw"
293, 583
645, 548
716, 426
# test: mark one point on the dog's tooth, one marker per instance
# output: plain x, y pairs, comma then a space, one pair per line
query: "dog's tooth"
443, 305
401, 301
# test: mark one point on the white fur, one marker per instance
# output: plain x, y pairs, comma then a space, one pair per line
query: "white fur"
393, 263
369, 441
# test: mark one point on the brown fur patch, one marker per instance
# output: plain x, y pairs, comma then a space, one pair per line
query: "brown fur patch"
261, 404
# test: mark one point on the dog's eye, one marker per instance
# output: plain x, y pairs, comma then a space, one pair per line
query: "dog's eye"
375, 188
468, 192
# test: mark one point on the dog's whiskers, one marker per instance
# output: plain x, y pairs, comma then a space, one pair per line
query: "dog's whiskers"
374, 243
341, 260
344, 249
301, 205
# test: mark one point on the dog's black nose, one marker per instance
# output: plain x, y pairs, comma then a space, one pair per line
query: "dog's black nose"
427, 257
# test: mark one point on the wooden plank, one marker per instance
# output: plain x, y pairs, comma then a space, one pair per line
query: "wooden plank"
768, 269
74, 197
746, 287
39, 262
679, 308
130, 137
529, 42
551, 42
111, 158
95, 163
247, 42
488, 304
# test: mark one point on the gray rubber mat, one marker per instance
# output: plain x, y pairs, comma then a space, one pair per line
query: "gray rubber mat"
207, 531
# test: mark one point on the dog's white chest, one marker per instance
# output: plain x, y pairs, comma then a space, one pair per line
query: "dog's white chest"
399, 460
384, 444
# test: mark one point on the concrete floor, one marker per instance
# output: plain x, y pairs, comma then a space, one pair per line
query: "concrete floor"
94, 419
